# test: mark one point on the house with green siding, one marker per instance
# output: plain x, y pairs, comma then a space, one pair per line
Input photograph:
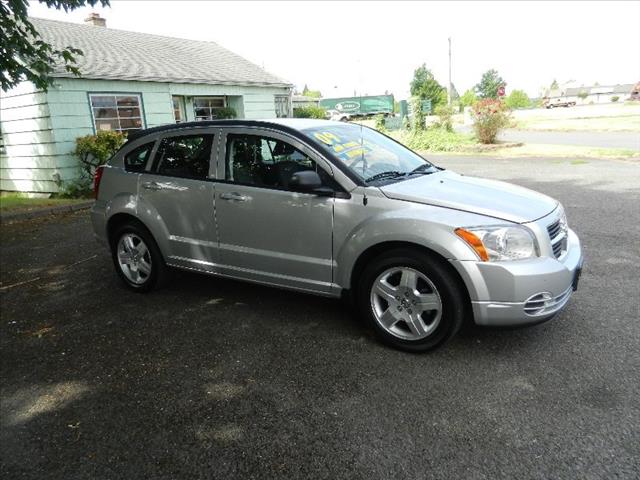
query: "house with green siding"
129, 81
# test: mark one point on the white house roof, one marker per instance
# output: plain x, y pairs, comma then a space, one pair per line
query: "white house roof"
122, 55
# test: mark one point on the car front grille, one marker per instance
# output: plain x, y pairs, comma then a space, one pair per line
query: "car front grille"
558, 238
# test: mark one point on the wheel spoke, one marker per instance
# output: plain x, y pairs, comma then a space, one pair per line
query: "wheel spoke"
415, 324
385, 290
124, 257
388, 319
426, 302
409, 279
142, 249
128, 244
144, 267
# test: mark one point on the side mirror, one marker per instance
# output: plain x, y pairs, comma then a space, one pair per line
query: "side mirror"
306, 181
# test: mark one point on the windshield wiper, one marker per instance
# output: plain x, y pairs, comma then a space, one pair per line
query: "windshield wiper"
422, 169
382, 175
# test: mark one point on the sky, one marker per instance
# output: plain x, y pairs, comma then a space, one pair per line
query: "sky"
367, 48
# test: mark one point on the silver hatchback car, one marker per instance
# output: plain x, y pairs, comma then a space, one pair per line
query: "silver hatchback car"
331, 208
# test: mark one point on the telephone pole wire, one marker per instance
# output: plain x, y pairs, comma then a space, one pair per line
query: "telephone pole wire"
449, 92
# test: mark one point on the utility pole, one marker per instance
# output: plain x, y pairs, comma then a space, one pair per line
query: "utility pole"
449, 89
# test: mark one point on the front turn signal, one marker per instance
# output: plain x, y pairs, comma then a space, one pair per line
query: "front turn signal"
474, 242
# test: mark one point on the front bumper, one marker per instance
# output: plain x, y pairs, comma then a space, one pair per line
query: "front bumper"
522, 292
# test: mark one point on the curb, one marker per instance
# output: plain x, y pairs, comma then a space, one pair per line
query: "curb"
45, 212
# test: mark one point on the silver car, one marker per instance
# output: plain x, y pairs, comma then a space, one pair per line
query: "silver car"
335, 209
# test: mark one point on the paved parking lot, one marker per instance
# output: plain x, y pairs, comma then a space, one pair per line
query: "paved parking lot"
219, 379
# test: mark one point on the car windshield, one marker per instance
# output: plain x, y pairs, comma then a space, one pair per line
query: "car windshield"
370, 155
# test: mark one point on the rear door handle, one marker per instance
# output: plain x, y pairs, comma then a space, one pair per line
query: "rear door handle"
234, 197
151, 186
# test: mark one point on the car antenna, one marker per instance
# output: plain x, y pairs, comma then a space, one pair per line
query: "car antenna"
365, 200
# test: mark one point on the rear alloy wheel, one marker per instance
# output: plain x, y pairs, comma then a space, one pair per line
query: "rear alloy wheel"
134, 258
412, 300
137, 258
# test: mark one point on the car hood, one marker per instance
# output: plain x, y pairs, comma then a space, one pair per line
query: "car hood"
476, 195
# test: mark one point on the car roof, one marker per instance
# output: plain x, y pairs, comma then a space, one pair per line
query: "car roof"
296, 124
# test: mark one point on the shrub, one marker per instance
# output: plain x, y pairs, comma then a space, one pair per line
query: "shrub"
445, 114
223, 113
615, 98
582, 95
489, 117
310, 111
418, 115
435, 140
93, 150
379, 123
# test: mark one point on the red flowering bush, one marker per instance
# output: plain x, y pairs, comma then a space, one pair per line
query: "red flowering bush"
489, 117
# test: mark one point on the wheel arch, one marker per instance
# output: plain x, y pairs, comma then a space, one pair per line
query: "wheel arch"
117, 220
378, 249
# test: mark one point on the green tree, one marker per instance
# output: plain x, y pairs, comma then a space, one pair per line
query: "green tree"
489, 84
23, 53
554, 85
311, 93
468, 98
518, 99
425, 87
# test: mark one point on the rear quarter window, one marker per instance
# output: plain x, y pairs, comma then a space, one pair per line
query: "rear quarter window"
136, 159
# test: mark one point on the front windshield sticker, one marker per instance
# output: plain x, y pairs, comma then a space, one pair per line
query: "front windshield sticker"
369, 154
345, 150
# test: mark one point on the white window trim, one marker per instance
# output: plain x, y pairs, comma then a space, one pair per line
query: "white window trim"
116, 94
216, 97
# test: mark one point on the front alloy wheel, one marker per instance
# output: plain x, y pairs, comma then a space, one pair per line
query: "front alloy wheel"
406, 303
413, 300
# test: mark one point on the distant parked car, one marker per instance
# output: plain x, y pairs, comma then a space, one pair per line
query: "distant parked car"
338, 116
558, 102
335, 209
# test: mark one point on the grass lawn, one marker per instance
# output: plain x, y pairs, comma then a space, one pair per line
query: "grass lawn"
629, 123
561, 151
620, 117
19, 203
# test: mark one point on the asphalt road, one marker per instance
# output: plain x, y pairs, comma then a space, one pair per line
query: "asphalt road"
219, 379
624, 140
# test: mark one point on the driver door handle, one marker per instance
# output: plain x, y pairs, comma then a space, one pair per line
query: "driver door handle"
234, 197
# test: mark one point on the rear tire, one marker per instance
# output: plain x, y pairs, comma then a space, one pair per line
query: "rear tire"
411, 300
137, 258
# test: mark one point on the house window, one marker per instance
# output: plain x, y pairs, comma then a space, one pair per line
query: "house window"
282, 106
116, 112
205, 107
178, 109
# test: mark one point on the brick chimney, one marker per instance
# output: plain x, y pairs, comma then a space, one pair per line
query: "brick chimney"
95, 19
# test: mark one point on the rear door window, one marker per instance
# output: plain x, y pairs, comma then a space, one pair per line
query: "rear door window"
184, 156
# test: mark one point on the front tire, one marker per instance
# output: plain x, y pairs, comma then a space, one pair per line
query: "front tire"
137, 258
412, 300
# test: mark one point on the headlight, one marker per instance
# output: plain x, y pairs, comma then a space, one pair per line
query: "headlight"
501, 242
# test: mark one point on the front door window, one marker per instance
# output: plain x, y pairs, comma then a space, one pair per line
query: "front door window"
266, 162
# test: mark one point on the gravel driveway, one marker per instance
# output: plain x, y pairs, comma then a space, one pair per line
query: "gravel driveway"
219, 379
